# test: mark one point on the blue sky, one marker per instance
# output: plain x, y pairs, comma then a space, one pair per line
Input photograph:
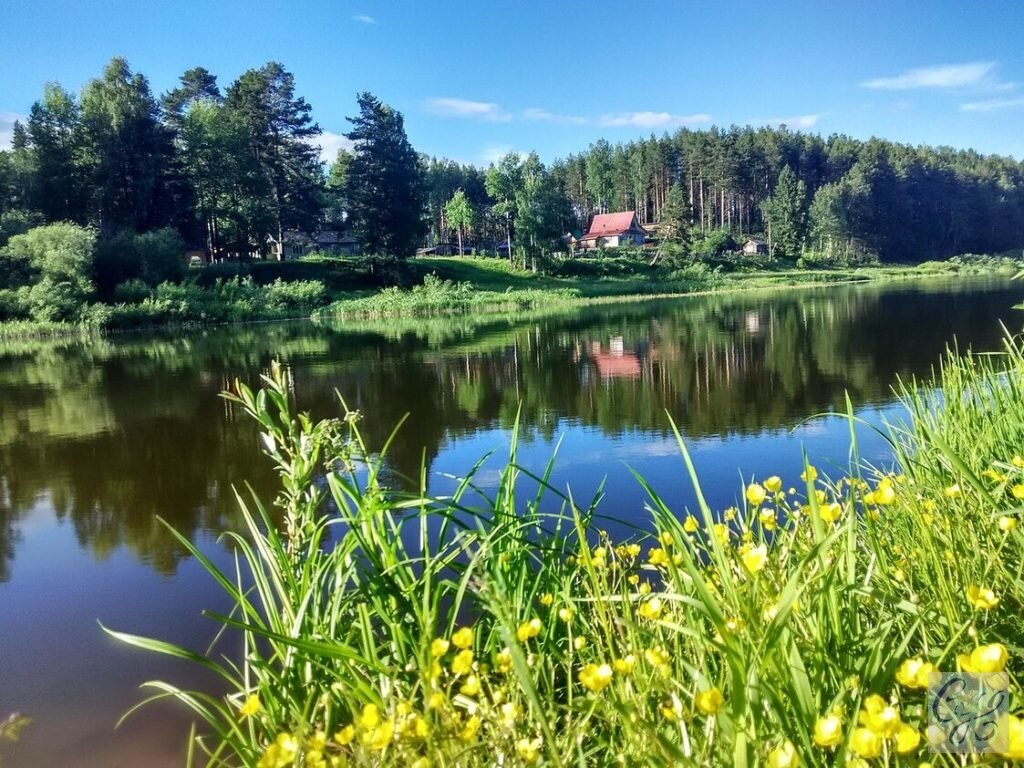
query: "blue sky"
476, 78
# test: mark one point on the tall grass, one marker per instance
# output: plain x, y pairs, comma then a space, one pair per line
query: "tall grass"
509, 629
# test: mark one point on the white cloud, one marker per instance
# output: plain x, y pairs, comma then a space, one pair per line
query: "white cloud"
991, 105
651, 119
364, 18
492, 153
800, 122
329, 144
949, 76
467, 108
533, 114
7, 127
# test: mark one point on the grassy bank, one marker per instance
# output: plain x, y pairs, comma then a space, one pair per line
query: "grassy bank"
798, 627
329, 287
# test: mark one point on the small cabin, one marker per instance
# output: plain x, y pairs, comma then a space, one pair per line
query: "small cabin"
754, 246
613, 230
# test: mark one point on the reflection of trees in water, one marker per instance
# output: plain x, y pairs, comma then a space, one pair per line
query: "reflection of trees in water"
116, 432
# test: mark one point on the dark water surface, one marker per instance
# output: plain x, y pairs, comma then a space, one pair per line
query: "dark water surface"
98, 438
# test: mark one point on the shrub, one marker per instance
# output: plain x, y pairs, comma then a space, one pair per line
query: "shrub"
153, 257
58, 259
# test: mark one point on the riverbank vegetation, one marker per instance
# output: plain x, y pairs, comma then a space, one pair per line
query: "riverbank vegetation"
796, 627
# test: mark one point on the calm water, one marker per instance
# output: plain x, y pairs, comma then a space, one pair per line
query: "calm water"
99, 438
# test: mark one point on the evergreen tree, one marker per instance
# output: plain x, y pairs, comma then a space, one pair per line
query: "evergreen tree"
785, 214
385, 186
674, 215
55, 132
336, 204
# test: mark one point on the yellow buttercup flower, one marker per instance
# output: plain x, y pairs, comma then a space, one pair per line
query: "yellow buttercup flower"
547, 599
503, 661
1007, 524
463, 662
624, 666
657, 657
954, 491
907, 739
767, 518
251, 707
773, 485
985, 658
436, 700
596, 677
1015, 738
463, 638
809, 475
828, 731
756, 494
528, 750
982, 598
380, 737
657, 556
914, 673
471, 686
783, 756
528, 630
650, 609
566, 613
468, 732
439, 647
665, 538
885, 494
1018, 491
709, 701
690, 524
755, 558
722, 533
865, 743
880, 717
369, 718
346, 735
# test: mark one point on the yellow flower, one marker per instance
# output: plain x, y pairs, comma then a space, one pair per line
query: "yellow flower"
985, 658
884, 493
672, 709
709, 701
1018, 462
953, 491
767, 518
463, 662
657, 556
994, 475
1018, 491
1007, 524
471, 687
914, 673
830, 512
1015, 738
828, 731
880, 717
755, 494
380, 738
665, 538
346, 735
907, 739
783, 756
547, 599
865, 743
645, 588
650, 609
528, 750
463, 638
439, 647
436, 700
624, 666
528, 630
755, 558
250, 707
510, 712
596, 678
579, 643
722, 533
369, 718
690, 524
566, 614
469, 730
503, 661
773, 484
809, 475
657, 657
982, 598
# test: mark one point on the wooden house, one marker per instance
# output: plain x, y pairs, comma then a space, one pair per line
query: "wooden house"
613, 230
755, 246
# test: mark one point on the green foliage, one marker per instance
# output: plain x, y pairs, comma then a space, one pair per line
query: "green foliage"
714, 244
459, 214
54, 263
785, 214
152, 257
384, 184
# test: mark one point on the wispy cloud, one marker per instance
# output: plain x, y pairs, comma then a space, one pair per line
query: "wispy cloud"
364, 18
991, 105
329, 144
978, 73
492, 153
533, 114
467, 108
651, 119
800, 122
7, 120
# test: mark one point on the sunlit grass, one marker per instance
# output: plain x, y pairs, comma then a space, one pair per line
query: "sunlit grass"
372, 628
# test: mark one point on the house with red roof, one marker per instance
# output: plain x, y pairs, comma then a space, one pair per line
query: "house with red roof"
611, 230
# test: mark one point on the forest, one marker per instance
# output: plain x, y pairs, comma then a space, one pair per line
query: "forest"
229, 170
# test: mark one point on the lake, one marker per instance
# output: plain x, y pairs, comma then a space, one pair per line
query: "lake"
100, 437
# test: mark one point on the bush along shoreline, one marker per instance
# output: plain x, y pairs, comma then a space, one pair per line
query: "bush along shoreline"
798, 628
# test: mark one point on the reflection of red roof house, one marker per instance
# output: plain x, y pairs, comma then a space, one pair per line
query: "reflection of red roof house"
610, 230
616, 364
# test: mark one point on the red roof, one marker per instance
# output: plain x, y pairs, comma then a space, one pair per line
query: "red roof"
611, 224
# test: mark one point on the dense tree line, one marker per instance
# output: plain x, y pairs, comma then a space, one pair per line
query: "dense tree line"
232, 169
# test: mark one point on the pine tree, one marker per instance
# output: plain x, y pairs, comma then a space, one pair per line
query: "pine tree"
785, 214
385, 186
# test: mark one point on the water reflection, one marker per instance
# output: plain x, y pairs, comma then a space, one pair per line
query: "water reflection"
113, 433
